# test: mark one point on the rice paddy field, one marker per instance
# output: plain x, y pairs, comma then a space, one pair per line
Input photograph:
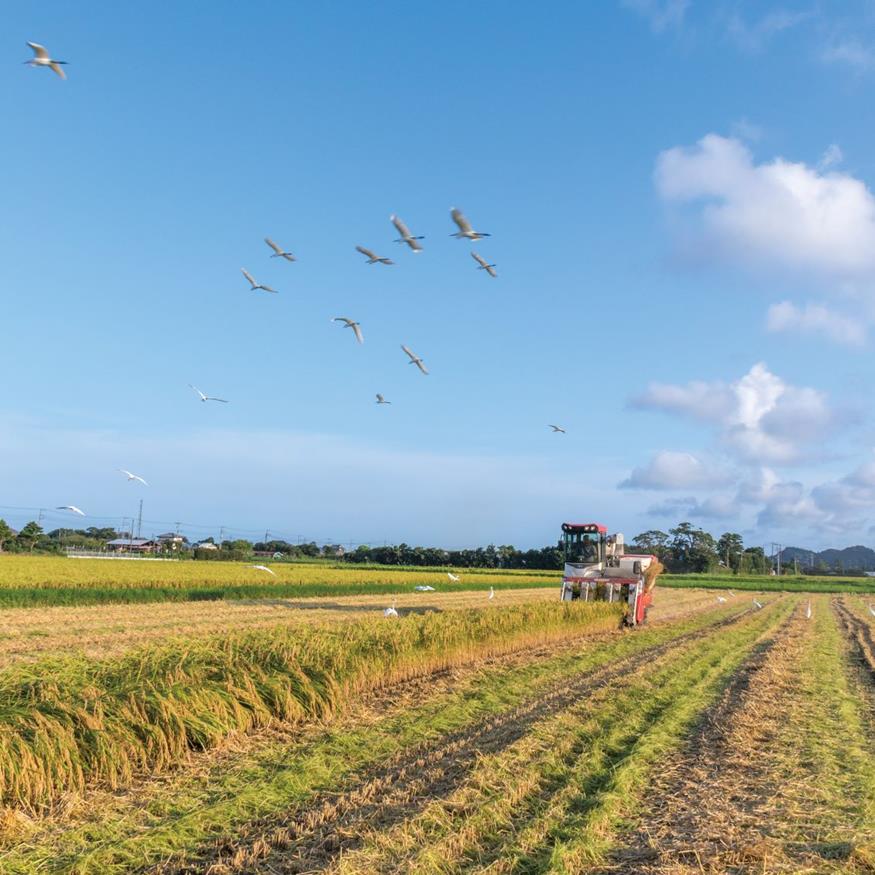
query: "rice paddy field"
301, 730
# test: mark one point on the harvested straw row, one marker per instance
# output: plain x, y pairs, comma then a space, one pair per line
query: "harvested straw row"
69, 722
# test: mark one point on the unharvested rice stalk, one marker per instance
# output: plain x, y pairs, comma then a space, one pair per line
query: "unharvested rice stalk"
68, 722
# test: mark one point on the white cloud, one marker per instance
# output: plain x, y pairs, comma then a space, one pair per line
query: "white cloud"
816, 319
662, 14
672, 470
778, 214
760, 418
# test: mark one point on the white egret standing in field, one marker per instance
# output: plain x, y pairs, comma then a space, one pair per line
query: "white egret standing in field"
721, 600
557, 428
278, 251
72, 508
484, 265
808, 611
372, 256
424, 588
356, 327
414, 359
131, 476
41, 59
406, 236
254, 286
454, 578
465, 230
391, 612
491, 593
206, 397
757, 604
262, 568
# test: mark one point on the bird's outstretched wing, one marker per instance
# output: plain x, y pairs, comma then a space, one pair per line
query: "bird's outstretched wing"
461, 221
356, 328
273, 246
369, 253
409, 352
400, 227
480, 260
248, 276
57, 68
341, 319
201, 394
39, 51
210, 398
267, 289
421, 366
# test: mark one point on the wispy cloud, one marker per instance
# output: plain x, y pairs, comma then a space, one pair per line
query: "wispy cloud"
752, 36
662, 15
850, 52
815, 319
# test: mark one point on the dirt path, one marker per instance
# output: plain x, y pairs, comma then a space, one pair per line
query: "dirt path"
308, 840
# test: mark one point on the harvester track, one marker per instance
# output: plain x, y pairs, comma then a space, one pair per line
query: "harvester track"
310, 839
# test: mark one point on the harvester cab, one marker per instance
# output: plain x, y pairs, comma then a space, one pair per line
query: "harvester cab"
597, 568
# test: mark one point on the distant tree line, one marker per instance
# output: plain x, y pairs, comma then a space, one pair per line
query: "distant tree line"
686, 549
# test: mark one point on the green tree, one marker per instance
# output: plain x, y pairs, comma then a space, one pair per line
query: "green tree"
652, 541
730, 548
6, 534
29, 535
691, 549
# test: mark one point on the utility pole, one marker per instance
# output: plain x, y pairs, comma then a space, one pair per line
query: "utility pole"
140, 520
221, 534
266, 537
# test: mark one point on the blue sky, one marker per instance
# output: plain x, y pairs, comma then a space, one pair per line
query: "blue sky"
680, 198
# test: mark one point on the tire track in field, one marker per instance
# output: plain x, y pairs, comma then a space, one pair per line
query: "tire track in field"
332, 823
719, 806
861, 642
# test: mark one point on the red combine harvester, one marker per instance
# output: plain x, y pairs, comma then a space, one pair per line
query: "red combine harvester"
597, 568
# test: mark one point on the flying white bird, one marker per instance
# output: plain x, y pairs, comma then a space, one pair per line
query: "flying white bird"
254, 286
465, 229
757, 604
721, 599
262, 568
72, 508
207, 397
406, 236
484, 264
381, 399
390, 612
423, 588
414, 359
356, 327
557, 428
278, 251
491, 593
41, 59
808, 611
372, 256
131, 476
453, 577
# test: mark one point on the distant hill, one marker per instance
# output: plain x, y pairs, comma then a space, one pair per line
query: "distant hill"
857, 558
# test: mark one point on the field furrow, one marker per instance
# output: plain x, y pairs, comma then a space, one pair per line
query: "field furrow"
777, 778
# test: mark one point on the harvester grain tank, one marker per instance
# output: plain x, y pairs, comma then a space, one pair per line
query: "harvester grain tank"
598, 568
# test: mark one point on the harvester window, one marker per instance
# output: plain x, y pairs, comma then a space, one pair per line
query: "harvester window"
582, 547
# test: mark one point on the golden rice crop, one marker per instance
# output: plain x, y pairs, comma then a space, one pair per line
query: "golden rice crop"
69, 721
17, 571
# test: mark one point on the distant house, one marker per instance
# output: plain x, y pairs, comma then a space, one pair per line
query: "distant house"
205, 545
131, 545
172, 541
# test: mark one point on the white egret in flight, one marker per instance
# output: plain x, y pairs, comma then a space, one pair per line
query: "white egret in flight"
41, 59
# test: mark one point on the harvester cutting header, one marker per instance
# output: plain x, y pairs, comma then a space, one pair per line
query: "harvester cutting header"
597, 568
